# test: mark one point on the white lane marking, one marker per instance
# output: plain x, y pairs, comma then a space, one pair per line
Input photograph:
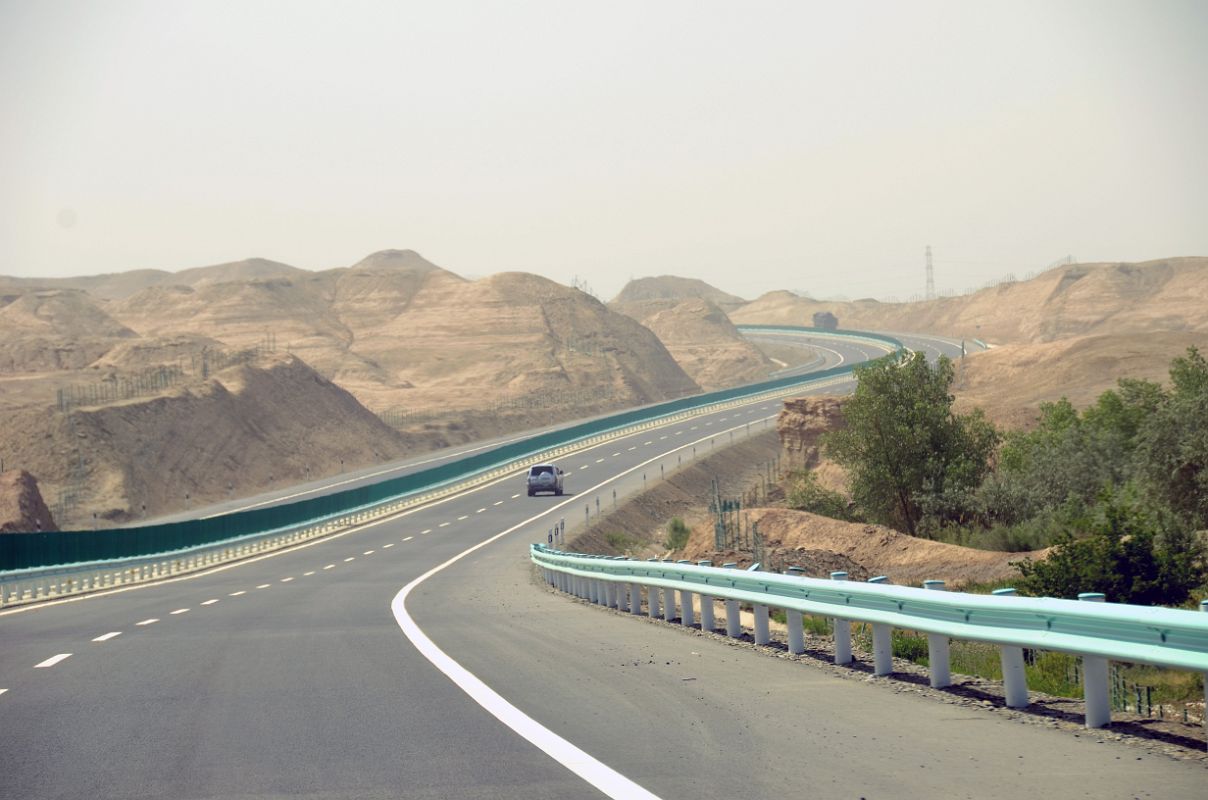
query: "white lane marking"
409, 538
694, 427
479, 511
599, 461
210, 602
661, 438
238, 593
106, 637
604, 778
707, 424
463, 517
151, 621
600, 775
679, 433
515, 496
287, 580
330, 566
308, 574
2, 691
50, 662
264, 586
498, 503
368, 553
180, 611
585, 466
442, 525
635, 447
647, 444
614, 455
350, 558
391, 544
425, 531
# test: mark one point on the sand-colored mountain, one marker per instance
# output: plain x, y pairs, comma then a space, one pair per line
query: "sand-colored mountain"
673, 287
1073, 300
702, 340
272, 423
54, 329
120, 285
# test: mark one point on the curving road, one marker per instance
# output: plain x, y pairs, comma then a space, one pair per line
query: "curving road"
295, 675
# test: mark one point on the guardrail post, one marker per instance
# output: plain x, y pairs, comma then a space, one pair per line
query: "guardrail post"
687, 606
1204, 607
1014, 676
882, 641
938, 656
668, 605
842, 630
706, 603
733, 620
652, 592
792, 621
763, 634
1095, 688
635, 598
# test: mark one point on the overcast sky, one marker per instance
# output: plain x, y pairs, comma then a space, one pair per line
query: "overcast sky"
810, 146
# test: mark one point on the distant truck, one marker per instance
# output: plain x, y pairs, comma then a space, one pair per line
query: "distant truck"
826, 321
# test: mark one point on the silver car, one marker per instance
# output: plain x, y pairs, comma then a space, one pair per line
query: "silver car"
544, 478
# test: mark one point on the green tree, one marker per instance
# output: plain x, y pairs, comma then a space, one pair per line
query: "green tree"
1172, 449
903, 444
805, 493
1129, 551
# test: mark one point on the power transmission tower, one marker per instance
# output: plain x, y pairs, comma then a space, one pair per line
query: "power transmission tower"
930, 294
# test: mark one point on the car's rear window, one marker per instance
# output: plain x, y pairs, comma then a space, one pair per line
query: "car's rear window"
542, 470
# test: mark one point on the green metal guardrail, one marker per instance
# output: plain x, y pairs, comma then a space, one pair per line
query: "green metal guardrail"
57, 548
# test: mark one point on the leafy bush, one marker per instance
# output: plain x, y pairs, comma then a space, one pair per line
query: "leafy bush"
806, 494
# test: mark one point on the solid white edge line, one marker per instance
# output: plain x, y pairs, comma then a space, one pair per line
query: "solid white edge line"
50, 662
587, 767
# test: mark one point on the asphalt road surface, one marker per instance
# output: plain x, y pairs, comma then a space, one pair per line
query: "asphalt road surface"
291, 675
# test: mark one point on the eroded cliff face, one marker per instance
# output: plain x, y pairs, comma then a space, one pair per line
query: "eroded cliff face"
21, 506
801, 425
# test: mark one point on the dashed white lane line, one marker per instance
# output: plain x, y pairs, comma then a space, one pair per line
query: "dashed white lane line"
241, 592
180, 611
661, 438
2, 691
350, 558
463, 517
308, 574
330, 566
442, 525
106, 637
498, 503
515, 496
368, 553
479, 511
151, 621
679, 433
599, 461
614, 455
287, 580
209, 602
647, 444
264, 586
585, 466
694, 427
425, 531
386, 546
635, 447
409, 538
50, 662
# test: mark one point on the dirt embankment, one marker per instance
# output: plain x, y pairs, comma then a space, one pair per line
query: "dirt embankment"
801, 425
273, 423
21, 506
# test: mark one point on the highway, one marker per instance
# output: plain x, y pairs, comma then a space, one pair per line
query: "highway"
308, 673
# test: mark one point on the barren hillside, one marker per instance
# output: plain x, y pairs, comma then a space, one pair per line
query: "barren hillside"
1074, 300
702, 340
273, 423
55, 329
673, 288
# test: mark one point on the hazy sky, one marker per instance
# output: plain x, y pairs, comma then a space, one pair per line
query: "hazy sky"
812, 146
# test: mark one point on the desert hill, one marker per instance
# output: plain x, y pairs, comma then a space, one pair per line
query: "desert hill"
673, 288
702, 340
1072, 300
55, 329
274, 422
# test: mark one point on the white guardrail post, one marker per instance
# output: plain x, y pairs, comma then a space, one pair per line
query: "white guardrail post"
882, 642
792, 620
1014, 676
733, 620
652, 597
687, 605
1095, 689
706, 603
842, 630
938, 657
